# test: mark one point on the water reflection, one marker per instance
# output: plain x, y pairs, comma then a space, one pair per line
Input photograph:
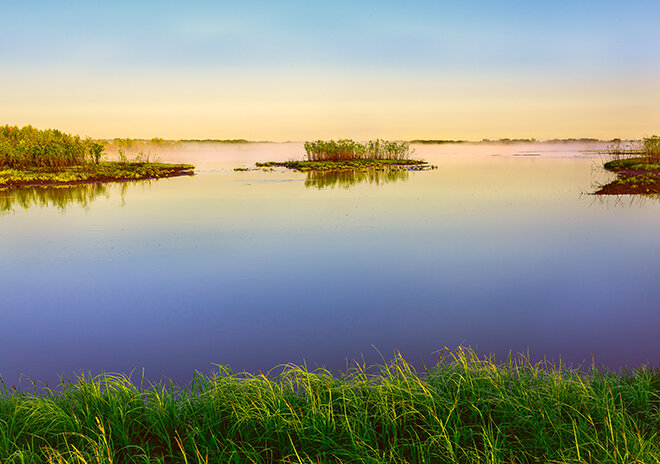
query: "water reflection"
55, 196
625, 201
350, 177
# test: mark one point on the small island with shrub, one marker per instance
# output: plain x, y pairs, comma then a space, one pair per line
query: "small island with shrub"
637, 167
30, 156
346, 154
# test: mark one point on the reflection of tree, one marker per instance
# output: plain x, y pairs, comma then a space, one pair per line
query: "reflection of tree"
57, 196
347, 178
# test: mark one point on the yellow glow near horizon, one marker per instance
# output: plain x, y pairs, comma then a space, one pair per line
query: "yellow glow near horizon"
280, 107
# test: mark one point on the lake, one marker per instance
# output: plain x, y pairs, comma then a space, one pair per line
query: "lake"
501, 249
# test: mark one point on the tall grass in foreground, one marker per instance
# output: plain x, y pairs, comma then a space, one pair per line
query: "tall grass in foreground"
347, 149
464, 410
27, 147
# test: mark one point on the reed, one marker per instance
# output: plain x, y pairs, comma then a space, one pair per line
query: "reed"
466, 409
347, 149
27, 147
645, 151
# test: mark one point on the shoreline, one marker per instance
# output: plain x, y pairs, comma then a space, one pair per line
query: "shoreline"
91, 174
634, 176
463, 409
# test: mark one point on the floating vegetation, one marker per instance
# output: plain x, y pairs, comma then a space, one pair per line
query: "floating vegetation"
637, 166
361, 164
466, 409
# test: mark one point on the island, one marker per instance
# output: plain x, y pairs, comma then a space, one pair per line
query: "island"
348, 155
637, 168
29, 157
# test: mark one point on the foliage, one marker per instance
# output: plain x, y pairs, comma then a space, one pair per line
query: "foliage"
347, 149
27, 147
464, 410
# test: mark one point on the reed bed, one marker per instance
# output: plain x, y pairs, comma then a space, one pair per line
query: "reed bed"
645, 151
27, 147
466, 409
347, 149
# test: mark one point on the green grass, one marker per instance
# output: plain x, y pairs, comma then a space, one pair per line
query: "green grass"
91, 172
463, 410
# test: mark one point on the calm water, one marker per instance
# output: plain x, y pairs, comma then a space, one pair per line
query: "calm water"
496, 249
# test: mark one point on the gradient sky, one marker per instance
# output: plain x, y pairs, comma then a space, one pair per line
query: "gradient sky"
291, 70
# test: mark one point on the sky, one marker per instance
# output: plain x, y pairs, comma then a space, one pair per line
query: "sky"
302, 70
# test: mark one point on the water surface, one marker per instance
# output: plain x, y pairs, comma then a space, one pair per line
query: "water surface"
500, 249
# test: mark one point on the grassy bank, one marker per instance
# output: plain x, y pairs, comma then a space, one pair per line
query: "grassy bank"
464, 410
637, 167
30, 156
102, 172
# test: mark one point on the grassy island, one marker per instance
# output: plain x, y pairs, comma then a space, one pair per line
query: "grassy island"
346, 154
29, 156
637, 168
465, 409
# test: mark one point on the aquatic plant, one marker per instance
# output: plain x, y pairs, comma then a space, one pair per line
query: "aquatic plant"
646, 150
466, 409
637, 165
347, 149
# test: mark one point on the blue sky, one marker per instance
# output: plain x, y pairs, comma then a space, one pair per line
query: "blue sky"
293, 70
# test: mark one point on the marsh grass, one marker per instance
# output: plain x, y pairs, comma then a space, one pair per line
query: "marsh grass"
646, 151
27, 147
347, 149
466, 409
637, 166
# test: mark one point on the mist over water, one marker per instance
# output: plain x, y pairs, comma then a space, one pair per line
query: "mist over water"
496, 249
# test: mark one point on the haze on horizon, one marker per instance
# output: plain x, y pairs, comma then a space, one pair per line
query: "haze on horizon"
296, 70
